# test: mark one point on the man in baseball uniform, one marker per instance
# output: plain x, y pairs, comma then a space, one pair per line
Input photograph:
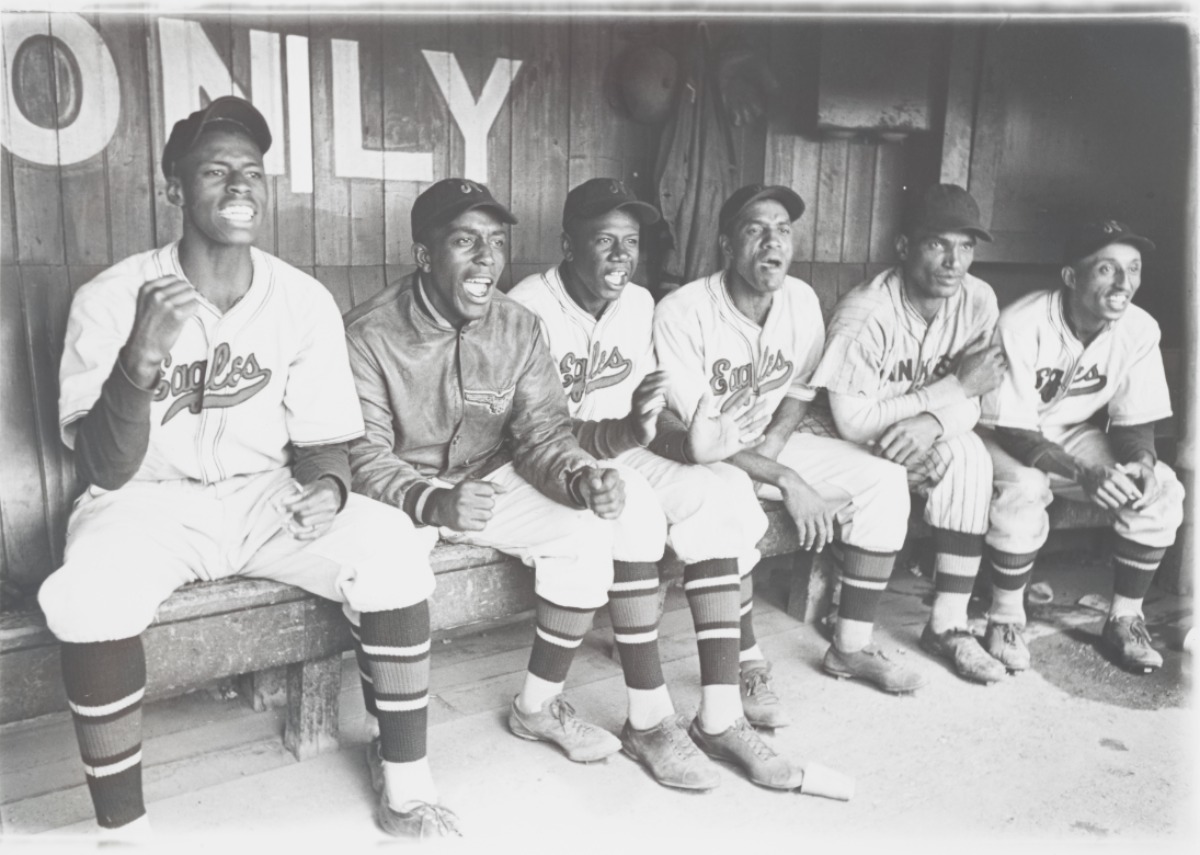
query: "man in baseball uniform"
1072, 352
598, 326
206, 393
753, 325
467, 431
907, 356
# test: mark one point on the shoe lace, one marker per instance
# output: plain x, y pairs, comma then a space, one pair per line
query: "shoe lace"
1008, 634
747, 735
1137, 628
877, 652
758, 684
681, 744
565, 713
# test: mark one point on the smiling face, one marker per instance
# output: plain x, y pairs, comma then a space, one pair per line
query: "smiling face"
934, 266
601, 256
463, 261
1101, 286
758, 248
221, 186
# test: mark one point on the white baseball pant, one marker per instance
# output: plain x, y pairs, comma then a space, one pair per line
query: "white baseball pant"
129, 549
959, 501
1021, 495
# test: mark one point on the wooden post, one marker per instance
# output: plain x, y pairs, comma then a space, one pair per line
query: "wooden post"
810, 591
266, 689
312, 711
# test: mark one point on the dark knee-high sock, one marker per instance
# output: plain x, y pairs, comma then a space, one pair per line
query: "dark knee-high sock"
1135, 566
713, 595
395, 644
747, 643
633, 606
865, 577
956, 563
559, 632
1010, 575
105, 682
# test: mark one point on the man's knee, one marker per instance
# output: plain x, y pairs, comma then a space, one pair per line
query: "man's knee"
880, 521
84, 604
640, 533
384, 557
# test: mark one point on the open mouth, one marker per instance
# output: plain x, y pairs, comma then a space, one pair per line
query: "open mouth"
1117, 302
477, 287
617, 278
238, 214
771, 263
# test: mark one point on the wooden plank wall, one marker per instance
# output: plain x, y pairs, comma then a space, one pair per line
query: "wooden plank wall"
61, 226
852, 188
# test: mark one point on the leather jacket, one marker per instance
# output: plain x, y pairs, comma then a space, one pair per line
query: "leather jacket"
455, 404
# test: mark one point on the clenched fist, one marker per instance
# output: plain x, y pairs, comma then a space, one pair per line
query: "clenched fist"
603, 492
164, 305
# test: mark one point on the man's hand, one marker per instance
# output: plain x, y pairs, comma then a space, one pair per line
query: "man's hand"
814, 515
467, 506
740, 424
909, 440
1143, 477
1109, 486
164, 305
603, 492
649, 398
311, 510
982, 370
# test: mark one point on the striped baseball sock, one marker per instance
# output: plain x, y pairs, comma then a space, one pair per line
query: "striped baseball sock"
558, 634
105, 682
1010, 574
865, 577
1135, 567
713, 593
395, 645
633, 606
748, 649
956, 564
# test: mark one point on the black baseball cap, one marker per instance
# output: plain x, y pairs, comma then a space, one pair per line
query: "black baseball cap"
1086, 238
945, 208
744, 197
598, 196
450, 197
226, 110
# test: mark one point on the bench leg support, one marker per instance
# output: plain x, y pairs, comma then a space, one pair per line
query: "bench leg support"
266, 689
813, 578
312, 707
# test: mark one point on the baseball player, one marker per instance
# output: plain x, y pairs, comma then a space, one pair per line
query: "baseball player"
753, 325
205, 390
598, 327
907, 356
467, 431
1072, 352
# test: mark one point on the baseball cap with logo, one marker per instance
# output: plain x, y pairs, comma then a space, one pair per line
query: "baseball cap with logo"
450, 197
1087, 238
598, 196
945, 208
744, 197
228, 111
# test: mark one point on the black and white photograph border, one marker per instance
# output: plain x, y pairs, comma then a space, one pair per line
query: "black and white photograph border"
1008, 99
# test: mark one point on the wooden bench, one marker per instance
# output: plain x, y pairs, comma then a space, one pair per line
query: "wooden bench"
288, 643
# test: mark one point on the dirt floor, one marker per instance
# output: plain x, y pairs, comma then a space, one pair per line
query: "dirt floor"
1075, 755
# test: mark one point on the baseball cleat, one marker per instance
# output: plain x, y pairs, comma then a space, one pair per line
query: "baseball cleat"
741, 745
670, 754
759, 701
421, 819
962, 650
556, 722
874, 666
1127, 640
1006, 644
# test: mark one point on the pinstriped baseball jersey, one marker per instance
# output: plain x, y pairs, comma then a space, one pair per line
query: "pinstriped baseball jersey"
701, 338
601, 361
1054, 382
879, 346
237, 387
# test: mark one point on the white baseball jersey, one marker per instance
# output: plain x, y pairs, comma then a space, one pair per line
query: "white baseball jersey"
1054, 382
880, 347
601, 361
701, 338
237, 388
